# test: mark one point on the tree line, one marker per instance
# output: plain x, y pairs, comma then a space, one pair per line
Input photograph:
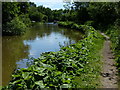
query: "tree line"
17, 16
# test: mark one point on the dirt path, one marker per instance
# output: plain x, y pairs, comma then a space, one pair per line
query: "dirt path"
109, 71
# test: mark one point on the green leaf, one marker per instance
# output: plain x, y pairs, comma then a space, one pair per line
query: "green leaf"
17, 81
25, 75
15, 76
40, 83
58, 73
65, 86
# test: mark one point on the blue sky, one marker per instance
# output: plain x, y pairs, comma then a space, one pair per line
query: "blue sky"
53, 4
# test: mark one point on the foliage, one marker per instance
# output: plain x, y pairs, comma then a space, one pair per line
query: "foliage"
9, 11
24, 7
15, 27
47, 12
114, 33
15, 20
64, 68
89, 23
82, 28
102, 13
26, 20
36, 16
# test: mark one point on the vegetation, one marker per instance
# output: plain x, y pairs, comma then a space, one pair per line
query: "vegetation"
77, 65
64, 68
114, 33
15, 27
106, 13
103, 16
14, 22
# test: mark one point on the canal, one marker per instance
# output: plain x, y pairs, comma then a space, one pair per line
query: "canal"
17, 50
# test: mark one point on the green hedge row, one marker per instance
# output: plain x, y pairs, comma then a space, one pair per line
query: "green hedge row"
74, 66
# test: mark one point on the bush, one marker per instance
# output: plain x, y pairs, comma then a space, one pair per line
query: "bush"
15, 27
36, 16
89, 23
82, 28
26, 20
117, 22
45, 18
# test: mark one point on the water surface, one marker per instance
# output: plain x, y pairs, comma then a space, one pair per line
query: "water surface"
41, 38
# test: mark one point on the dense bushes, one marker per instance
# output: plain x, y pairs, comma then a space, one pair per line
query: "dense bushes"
15, 19
14, 27
77, 65
26, 20
36, 16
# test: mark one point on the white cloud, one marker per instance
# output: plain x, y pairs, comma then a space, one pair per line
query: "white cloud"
46, 1
53, 4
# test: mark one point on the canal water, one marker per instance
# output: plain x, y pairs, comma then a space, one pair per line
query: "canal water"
17, 50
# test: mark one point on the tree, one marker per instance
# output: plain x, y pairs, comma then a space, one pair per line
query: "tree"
9, 11
36, 16
103, 13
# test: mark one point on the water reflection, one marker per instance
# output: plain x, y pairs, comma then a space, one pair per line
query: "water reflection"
13, 49
39, 39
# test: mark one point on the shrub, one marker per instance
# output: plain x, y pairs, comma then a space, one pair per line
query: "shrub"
26, 20
15, 27
45, 18
89, 23
36, 16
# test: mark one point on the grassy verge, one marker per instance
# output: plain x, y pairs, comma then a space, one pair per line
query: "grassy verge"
74, 66
114, 33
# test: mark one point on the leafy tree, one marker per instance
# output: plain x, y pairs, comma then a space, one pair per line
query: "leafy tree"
24, 7
102, 13
36, 16
9, 11
13, 23
15, 27
46, 11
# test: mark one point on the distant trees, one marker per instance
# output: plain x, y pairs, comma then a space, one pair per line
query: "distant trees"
96, 14
101, 13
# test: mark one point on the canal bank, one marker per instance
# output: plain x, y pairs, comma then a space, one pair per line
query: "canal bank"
18, 50
73, 66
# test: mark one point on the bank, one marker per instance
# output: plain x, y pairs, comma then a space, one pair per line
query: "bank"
75, 66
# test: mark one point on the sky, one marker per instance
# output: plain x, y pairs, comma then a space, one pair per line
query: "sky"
53, 4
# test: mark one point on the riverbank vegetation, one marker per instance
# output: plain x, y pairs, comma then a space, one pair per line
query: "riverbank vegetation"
106, 13
19, 16
72, 67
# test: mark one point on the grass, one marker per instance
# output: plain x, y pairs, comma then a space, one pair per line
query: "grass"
91, 78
